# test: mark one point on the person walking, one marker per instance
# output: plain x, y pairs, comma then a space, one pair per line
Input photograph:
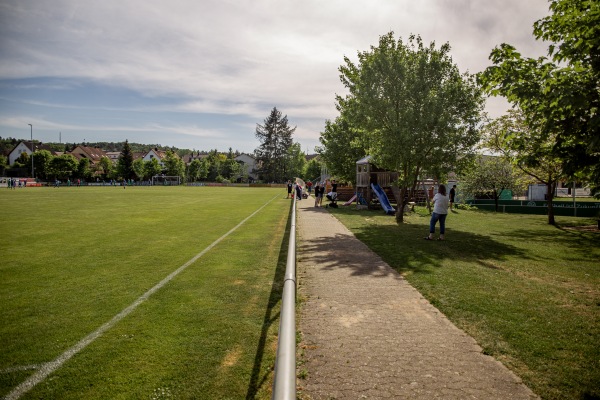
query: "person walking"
440, 212
317, 191
452, 196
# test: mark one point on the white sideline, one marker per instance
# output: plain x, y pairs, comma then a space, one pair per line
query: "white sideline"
49, 367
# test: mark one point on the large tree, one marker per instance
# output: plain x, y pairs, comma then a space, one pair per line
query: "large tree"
530, 151
414, 110
559, 98
275, 137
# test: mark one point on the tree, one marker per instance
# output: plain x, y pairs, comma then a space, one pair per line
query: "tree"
413, 109
313, 170
174, 165
342, 146
231, 169
490, 176
139, 168
296, 161
214, 162
3, 163
152, 167
275, 138
125, 163
559, 99
194, 170
528, 150
41, 163
106, 166
83, 169
62, 167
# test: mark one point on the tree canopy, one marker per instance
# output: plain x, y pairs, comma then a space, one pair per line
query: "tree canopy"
410, 108
559, 97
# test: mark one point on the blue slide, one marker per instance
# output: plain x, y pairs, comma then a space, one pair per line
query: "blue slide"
383, 199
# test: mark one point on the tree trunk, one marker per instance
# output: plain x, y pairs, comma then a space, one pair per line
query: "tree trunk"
427, 199
549, 197
496, 198
400, 210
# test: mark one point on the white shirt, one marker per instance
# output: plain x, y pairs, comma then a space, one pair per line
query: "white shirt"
440, 204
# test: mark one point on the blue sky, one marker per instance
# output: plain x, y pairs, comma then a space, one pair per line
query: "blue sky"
201, 74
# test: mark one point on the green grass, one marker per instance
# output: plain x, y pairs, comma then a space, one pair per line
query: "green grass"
528, 292
72, 258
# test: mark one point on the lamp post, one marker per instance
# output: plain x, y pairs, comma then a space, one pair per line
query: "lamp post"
31, 126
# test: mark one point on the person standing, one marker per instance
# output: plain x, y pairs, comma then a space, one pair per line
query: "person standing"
321, 193
440, 212
317, 192
452, 196
289, 189
309, 187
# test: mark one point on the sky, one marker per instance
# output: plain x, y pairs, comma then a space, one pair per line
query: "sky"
201, 74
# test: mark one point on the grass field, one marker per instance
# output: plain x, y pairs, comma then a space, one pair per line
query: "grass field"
73, 258
528, 292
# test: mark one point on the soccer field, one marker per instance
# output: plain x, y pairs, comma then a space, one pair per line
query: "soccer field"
144, 292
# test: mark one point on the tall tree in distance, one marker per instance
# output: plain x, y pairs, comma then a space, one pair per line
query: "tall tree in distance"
275, 137
125, 163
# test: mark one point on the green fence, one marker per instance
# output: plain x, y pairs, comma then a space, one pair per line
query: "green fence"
564, 208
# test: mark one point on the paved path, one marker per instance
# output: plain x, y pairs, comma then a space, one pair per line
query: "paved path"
368, 334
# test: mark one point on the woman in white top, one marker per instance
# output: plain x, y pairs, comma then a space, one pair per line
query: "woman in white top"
440, 212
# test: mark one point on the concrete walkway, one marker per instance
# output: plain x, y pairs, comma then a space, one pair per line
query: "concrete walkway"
368, 334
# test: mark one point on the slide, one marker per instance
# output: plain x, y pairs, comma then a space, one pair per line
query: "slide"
350, 201
383, 199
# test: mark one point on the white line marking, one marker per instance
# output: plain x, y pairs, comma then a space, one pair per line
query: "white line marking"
49, 367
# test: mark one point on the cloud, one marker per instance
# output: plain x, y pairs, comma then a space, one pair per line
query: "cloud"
231, 58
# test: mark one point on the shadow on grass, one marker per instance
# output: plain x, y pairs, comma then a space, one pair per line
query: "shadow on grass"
256, 380
403, 247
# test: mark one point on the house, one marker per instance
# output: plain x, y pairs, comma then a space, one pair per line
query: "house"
93, 154
155, 153
188, 158
25, 147
113, 156
248, 164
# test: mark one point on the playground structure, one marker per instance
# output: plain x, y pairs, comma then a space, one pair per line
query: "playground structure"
374, 188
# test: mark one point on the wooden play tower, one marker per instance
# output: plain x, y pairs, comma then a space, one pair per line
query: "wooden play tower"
367, 173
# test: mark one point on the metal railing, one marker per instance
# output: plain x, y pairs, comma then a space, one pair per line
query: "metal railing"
284, 384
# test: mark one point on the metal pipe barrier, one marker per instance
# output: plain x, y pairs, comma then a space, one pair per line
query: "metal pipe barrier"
284, 384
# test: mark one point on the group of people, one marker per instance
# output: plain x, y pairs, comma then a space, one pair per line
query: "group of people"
441, 203
12, 183
320, 188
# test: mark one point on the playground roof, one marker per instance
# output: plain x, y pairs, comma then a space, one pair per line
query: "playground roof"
364, 160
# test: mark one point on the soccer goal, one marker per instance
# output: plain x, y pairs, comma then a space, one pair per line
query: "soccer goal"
165, 180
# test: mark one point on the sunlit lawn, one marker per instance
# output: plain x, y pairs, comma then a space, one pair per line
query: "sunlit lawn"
73, 258
528, 292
